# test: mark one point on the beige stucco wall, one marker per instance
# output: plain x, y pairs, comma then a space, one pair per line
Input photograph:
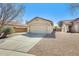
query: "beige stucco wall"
40, 26
75, 27
64, 28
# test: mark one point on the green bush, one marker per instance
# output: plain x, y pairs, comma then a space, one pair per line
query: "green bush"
7, 30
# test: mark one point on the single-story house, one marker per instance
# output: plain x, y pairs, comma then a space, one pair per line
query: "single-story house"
17, 26
40, 25
70, 25
66, 26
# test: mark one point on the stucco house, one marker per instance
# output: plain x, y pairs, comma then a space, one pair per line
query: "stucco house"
66, 26
40, 25
17, 26
75, 25
70, 25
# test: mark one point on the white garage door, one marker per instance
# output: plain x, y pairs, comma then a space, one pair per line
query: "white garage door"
39, 29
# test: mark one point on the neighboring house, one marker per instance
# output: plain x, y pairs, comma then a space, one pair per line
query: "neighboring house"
17, 26
75, 25
20, 28
66, 26
40, 25
70, 25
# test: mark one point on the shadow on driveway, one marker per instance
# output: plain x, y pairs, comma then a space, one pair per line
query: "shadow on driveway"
52, 35
38, 35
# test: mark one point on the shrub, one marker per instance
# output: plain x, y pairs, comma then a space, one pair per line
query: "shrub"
7, 30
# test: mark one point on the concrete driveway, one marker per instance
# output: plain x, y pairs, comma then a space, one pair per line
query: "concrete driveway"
13, 53
18, 43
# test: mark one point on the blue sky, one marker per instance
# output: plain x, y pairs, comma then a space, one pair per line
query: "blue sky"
51, 11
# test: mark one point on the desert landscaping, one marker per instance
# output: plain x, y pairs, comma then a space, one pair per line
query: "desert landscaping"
64, 44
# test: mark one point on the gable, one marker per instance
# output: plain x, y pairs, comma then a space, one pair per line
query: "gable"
68, 22
40, 21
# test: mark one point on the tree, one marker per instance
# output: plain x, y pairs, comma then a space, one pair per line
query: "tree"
9, 12
60, 23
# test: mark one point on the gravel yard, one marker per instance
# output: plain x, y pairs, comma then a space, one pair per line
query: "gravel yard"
64, 44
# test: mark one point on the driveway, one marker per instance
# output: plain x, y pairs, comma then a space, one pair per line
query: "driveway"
60, 44
18, 43
4, 52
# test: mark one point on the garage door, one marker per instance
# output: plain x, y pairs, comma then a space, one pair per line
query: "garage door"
39, 29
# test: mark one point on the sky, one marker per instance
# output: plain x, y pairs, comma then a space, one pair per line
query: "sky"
51, 11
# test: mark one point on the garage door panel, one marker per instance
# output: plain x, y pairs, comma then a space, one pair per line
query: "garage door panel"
39, 29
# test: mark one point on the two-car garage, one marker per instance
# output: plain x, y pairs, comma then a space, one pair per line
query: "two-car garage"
40, 25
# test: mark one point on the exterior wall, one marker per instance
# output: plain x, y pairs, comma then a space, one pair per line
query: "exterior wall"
64, 28
50, 29
40, 21
40, 26
20, 29
75, 27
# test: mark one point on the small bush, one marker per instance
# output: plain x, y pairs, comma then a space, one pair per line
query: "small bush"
7, 30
